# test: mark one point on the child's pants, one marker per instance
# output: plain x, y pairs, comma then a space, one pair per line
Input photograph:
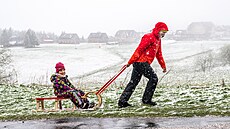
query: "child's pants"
75, 97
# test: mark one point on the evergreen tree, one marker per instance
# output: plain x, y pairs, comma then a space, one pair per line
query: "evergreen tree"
4, 38
30, 39
10, 32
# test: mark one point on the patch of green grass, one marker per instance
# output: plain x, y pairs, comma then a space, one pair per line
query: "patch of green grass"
17, 103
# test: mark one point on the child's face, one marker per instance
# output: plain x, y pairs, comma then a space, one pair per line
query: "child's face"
62, 72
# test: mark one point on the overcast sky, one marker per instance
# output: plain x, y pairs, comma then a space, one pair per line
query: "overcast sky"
85, 16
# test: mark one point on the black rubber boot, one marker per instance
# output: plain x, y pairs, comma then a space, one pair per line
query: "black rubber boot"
123, 105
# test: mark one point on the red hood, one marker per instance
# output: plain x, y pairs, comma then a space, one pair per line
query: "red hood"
158, 27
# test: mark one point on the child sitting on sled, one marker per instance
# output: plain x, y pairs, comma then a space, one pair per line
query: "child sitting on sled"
64, 88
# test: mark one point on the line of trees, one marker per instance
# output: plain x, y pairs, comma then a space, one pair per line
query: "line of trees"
28, 39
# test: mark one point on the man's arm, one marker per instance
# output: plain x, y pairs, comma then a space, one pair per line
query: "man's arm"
160, 59
145, 42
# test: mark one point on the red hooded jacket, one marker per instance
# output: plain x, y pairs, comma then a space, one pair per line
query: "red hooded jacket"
150, 47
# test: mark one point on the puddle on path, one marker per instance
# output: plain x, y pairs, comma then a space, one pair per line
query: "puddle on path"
121, 123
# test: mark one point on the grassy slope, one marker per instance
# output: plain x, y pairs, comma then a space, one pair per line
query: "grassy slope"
17, 103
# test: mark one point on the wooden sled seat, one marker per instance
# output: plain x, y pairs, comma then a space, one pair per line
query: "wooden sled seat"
57, 105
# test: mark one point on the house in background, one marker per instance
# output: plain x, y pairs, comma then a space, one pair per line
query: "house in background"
16, 41
180, 35
127, 36
98, 38
46, 37
200, 30
196, 31
68, 38
222, 32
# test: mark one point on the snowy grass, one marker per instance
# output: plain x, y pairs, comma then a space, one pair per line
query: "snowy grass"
172, 101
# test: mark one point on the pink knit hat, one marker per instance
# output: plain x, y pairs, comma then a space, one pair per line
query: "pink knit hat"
59, 66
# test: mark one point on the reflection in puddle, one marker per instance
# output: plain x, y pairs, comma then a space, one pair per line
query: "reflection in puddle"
71, 123
103, 123
150, 124
140, 125
71, 127
59, 121
121, 123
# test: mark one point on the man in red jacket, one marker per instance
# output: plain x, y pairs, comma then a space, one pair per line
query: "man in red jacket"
148, 49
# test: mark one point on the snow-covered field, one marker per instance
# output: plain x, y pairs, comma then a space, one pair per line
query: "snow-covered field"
35, 65
97, 62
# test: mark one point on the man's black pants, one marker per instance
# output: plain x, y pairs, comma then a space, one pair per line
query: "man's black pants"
139, 69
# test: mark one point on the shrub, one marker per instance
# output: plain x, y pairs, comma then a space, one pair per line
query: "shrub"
225, 54
6, 72
205, 62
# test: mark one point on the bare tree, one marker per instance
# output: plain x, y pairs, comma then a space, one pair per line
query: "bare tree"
205, 62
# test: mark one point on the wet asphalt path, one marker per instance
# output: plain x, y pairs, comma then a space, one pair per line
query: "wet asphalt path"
122, 123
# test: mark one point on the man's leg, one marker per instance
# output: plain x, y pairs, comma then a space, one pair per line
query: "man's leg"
151, 85
135, 79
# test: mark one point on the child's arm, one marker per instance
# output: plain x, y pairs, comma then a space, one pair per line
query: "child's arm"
70, 84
